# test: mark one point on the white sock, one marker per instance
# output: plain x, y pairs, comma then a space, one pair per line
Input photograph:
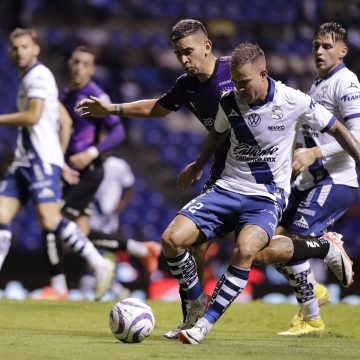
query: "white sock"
58, 283
5, 242
136, 248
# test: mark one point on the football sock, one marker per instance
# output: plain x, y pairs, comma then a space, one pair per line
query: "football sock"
58, 283
307, 249
229, 286
72, 236
302, 282
5, 242
110, 242
183, 268
184, 302
53, 252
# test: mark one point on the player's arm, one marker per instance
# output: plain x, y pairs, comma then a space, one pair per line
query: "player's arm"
125, 198
65, 127
216, 137
96, 107
30, 116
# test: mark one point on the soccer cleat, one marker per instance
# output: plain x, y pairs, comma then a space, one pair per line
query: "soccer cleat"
306, 328
150, 261
173, 334
337, 259
48, 293
103, 275
323, 297
196, 309
197, 333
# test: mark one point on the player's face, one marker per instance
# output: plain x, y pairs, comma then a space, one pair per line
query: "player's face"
251, 82
23, 51
82, 68
328, 54
192, 52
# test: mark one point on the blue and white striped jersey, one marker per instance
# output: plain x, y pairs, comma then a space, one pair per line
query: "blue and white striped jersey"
39, 142
259, 161
339, 92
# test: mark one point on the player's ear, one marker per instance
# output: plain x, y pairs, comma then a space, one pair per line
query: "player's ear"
208, 47
343, 51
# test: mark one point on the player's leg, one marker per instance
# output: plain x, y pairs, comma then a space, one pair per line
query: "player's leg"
9, 207
13, 193
147, 251
198, 250
317, 209
256, 230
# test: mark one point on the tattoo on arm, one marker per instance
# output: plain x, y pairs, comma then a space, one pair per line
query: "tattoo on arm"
119, 109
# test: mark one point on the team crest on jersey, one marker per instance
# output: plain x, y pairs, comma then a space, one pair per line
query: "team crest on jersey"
323, 90
276, 113
254, 120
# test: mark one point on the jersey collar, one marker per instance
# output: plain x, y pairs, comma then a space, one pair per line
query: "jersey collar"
318, 80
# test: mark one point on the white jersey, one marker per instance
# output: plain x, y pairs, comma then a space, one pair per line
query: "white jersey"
39, 142
117, 177
339, 92
259, 161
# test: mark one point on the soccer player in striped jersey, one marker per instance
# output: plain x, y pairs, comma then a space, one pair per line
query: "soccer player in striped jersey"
35, 173
251, 194
328, 183
199, 89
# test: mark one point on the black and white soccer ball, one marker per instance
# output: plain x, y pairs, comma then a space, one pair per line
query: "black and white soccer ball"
131, 320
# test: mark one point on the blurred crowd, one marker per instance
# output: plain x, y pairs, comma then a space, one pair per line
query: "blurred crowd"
135, 60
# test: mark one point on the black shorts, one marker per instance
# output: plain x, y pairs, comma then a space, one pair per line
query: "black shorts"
78, 198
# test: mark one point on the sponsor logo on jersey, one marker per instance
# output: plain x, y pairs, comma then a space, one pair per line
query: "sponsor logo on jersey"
276, 128
190, 91
312, 103
309, 131
224, 82
276, 113
247, 153
302, 223
306, 211
351, 97
254, 120
46, 193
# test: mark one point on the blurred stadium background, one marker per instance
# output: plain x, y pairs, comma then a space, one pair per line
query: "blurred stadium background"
135, 61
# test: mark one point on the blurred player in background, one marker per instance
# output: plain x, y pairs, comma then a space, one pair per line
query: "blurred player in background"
200, 89
35, 173
251, 194
111, 199
328, 181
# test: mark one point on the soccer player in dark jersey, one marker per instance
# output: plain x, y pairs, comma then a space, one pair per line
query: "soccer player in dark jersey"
199, 89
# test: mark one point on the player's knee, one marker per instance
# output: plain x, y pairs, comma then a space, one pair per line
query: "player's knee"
171, 238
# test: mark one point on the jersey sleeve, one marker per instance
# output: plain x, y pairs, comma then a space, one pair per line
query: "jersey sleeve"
174, 98
35, 85
221, 123
314, 114
349, 99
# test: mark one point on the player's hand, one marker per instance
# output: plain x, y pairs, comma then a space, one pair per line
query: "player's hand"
81, 160
93, 107
189, 175
70, 175
303, 158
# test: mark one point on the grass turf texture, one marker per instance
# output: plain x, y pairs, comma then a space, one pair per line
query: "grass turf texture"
79, 330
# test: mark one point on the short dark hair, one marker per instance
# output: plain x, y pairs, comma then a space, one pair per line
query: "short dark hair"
334, 30
245, 53
185, 28
21, 32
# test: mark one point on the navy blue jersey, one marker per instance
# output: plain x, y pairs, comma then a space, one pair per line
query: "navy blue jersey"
202, 99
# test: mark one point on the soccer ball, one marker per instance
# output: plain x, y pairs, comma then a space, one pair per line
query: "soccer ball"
131, 320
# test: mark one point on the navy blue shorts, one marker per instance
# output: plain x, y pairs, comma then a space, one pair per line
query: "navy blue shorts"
312, 212
219, 211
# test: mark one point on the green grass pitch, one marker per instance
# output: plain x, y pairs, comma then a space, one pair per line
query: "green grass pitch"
31, 330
